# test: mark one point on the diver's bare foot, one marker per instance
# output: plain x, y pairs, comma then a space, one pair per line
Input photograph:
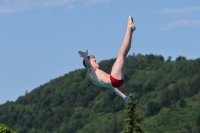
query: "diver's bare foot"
130, 24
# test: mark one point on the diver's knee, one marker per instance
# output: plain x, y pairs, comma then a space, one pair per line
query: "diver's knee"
121, 54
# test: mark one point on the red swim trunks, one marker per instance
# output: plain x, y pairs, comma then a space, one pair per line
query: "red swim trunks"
115, 82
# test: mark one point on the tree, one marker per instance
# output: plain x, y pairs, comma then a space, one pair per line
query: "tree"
5, 129
169, 59
182, 103
152, 109
180, 58
133, 120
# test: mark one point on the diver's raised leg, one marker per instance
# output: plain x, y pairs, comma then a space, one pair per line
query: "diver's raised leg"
118, 67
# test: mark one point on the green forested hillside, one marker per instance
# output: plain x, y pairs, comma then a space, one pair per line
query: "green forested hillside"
167, 95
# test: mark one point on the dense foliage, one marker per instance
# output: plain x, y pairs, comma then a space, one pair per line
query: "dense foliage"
5, 129
167, 95
133, 120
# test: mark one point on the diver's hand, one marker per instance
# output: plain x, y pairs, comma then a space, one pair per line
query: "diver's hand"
127, 99
83, 54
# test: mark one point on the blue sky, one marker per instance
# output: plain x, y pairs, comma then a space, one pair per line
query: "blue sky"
40, 39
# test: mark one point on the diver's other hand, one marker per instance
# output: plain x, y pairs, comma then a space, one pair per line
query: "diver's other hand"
127, 99
83, 54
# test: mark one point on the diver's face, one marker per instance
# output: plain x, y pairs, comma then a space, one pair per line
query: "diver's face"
94, 63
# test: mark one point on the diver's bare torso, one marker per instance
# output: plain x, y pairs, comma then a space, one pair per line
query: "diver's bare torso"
100, 78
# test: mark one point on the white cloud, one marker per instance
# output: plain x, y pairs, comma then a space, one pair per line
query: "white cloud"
94, 2
180, 23
48, 3
7, 10
181, 10
8, 6
70, 7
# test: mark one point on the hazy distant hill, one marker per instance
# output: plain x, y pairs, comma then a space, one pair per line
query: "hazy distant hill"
167, 94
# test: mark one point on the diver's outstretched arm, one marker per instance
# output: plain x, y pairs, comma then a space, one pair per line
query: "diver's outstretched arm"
85, 56
118, 92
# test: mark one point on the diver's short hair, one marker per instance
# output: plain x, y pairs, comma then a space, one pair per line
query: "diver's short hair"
89, 57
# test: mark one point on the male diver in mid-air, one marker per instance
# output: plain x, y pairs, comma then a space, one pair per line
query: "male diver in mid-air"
116, 78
